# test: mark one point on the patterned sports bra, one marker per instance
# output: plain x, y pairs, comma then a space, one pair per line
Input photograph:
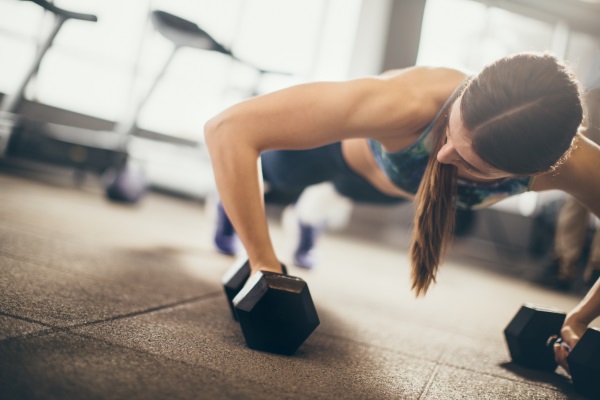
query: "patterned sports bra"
405, 168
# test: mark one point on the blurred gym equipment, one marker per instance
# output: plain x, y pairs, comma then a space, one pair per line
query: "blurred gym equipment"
101, 152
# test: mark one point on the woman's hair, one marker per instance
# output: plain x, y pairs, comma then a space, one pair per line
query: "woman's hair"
434, 213
523, 112
522, 103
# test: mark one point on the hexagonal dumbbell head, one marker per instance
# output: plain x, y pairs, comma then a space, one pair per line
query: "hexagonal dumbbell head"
584, 364
276, 312
527, 336
234, 280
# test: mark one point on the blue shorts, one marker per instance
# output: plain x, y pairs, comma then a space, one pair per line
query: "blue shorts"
289, 172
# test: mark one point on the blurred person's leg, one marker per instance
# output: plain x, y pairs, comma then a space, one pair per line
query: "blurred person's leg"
592, 102
592, 268
571, 229
286, 174
225, 238
319, 207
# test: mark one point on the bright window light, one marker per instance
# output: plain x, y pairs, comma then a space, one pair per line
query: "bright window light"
101, 69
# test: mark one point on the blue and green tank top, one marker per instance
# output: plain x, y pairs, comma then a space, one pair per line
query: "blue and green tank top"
405, 168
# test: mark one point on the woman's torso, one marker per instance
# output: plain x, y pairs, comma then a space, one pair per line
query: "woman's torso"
357, 151
359, 158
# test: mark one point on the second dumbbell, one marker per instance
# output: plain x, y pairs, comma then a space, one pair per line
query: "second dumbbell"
530, 337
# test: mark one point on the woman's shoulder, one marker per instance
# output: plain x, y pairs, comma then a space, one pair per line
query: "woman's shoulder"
429, 87
414, 97
578, 175
425, 72
428, 78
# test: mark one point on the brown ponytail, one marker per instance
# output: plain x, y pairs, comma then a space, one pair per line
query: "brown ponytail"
434, 215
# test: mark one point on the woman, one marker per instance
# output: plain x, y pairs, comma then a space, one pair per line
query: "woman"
432, 134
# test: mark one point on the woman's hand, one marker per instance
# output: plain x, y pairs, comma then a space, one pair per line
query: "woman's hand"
570, 333
576, 324
277, 268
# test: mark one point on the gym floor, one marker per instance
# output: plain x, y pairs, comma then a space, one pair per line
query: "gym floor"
99, 300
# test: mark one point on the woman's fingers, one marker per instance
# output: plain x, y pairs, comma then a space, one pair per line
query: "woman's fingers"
561, 352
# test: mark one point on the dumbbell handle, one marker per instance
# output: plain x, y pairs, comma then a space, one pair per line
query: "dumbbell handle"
254, 279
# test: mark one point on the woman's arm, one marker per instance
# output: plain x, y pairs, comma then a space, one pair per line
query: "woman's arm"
577, 322
580, 177
588, 309
302, 117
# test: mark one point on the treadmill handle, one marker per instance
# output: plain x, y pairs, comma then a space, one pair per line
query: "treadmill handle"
67, 14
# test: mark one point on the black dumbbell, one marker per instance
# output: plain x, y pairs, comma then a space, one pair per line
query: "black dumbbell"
531, 336
275, 311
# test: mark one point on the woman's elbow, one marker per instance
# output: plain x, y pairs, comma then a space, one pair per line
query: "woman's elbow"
211, 131
226, 140
217, 136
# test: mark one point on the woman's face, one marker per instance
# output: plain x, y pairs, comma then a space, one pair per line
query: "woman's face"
458, 150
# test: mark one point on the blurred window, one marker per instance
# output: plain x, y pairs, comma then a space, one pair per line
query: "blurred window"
468, 34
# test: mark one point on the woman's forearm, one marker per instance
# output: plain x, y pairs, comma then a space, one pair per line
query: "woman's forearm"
238, 180
589, 308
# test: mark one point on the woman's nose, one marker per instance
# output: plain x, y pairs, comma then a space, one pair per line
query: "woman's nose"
447, 154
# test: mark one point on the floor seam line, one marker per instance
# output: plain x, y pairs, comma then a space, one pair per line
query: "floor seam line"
506, 378
429, 381
147, 311
32, 321
68, 329
436, 362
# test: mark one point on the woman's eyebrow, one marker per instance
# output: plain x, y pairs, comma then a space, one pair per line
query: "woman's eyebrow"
473, 167
461, 157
